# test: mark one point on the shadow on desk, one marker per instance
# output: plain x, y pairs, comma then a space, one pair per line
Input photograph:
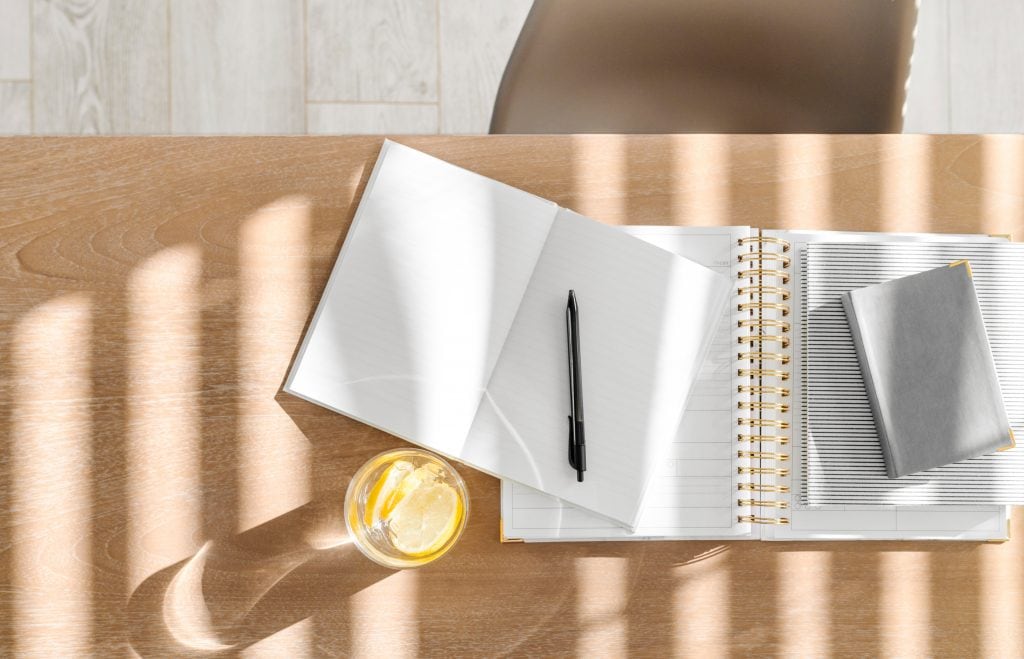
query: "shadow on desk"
235, 592
636, 598
299, 573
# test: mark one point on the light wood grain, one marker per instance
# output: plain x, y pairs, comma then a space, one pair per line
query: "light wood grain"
15, 39
372, 50
927, 106
15, 108
371, 118
100, 66
986, 56
476, 40
237, 67
160, 495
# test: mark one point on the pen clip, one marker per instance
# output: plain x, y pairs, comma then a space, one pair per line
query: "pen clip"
572, 443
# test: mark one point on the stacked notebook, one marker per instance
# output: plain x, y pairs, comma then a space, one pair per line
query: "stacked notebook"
723, 395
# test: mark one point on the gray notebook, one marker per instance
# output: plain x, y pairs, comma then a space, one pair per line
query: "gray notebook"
928, 369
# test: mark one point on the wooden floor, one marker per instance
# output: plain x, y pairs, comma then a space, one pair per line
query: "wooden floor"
253, 67
380, 66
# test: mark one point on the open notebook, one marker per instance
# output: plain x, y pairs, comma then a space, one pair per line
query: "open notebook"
730, 474
443, 322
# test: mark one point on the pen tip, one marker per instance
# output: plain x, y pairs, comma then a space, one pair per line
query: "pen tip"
572, 295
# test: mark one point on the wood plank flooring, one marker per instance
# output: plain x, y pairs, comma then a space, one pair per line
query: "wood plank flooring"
236, 67
375, 51
15, 40
15, 108
927, 108
371, 118
986, 65
99, 66
380, 66
476, 42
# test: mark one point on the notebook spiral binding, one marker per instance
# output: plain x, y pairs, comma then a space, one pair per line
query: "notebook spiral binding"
763, 278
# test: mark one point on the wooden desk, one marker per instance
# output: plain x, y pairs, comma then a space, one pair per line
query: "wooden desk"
160, 494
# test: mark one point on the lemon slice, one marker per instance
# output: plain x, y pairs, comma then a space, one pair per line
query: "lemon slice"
423, 475
425, 519
381, 496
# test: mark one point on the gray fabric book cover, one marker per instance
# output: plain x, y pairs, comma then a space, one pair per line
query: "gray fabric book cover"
928, 369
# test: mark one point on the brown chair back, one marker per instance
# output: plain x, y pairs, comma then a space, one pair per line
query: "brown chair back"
721, 66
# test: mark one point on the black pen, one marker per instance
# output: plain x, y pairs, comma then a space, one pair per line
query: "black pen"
577, 445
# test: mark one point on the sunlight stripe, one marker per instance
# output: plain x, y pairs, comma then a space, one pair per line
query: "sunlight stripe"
163, 448
384, 617
51, 474
905, 610
273, 454
601, 596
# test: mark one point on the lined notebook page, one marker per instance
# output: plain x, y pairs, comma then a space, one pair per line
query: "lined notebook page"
841, 457
647, 318
864, 522
694, 492
867, 522
421, 298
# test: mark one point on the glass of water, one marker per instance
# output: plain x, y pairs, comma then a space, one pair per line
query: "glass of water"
405, 508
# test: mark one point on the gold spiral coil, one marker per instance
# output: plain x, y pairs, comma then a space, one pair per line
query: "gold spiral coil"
764, 338
757, 487
762, 390
772, 439
763, 322
763, 373
765, 239
754, 519
758, 289
750, 306
768, 471
761, 257
765, 304
757, 273
763, 455
782, 358
763, 423
762, 503
761, 405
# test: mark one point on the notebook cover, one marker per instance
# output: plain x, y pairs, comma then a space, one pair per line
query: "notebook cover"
928, 369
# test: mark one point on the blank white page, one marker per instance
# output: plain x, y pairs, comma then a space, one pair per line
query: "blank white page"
421, 298
647, 317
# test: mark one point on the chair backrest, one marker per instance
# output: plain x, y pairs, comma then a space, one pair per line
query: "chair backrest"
724, 66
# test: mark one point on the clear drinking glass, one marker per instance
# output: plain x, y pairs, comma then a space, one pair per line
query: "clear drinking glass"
405, 508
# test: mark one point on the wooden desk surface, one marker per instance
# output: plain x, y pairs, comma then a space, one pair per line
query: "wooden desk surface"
159, 494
